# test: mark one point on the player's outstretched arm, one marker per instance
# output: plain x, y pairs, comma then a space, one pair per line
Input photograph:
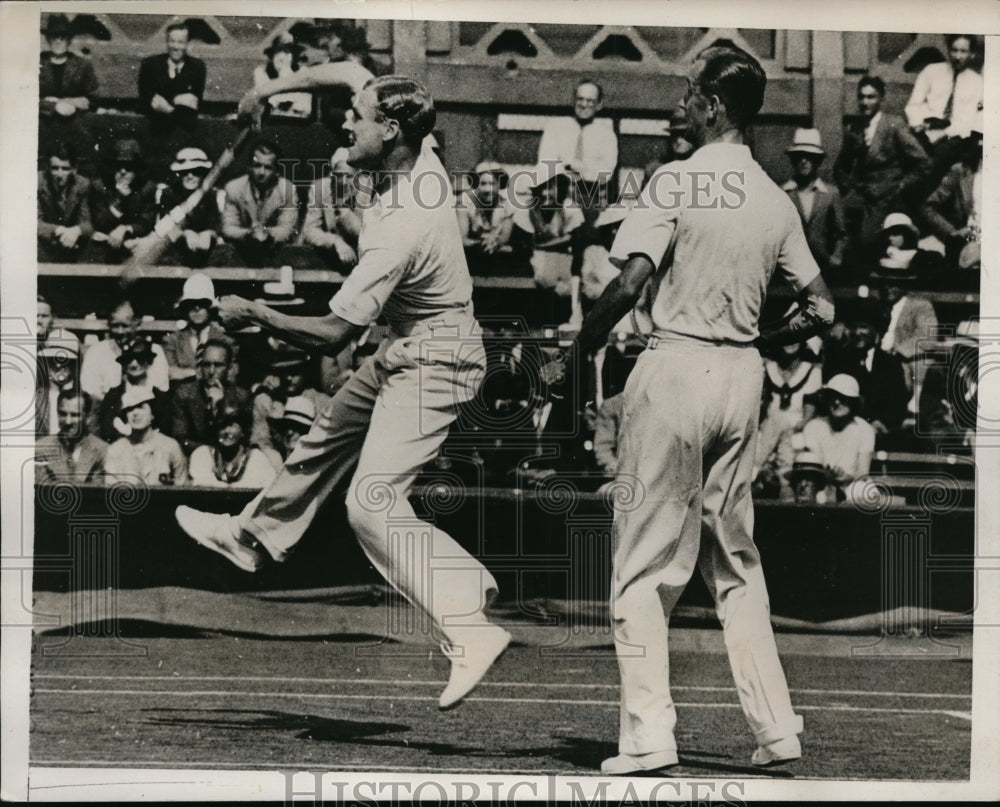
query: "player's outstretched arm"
812, 314
327, 335
308, 79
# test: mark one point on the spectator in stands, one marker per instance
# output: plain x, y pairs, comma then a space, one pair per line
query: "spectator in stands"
807, 478
136, 359
48, 333
841, 440
946, 104
879, 374
172, 84
609, 418
197, 306
73, 455
64, 223
791, 377
910, 317
289, 378
553, 227
485, 220
331, 224
880, 166
145, 454
586, 145
123, 202
192, 244
260, 213
954, 211
230, 461
297, 418
899, 247
283, 56
818, 203
198, 403
596, 269
67, 83
101, 370
949, 398
58, 364
355, 45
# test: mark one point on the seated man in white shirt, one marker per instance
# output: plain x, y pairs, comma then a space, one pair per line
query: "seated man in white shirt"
947, 103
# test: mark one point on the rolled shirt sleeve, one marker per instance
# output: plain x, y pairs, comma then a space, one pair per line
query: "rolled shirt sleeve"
367, 288
796, 263
649, 228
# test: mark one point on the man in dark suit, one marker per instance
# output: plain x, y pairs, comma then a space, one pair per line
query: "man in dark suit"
880, 166
197, 403
819, 204
953, 212
172, 84
72, 455
64, 224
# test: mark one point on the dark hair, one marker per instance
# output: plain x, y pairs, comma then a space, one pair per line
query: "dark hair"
600, 89
267, 146
62, 150
874, 82
970, 38
406, 101
72, 394
120, 303
178, 26
736, 78
234, 414
219, 343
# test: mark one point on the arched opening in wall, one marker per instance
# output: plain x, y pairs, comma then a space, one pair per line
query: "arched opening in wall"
724, 43
617, 47
923, 57
512, 41
201, 31
87, 25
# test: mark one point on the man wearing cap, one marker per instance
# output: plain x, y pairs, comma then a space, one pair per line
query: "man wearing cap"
288, 378
586, 145
807, 478
331, 225
297, 417
135, 360
260, 213
146, 453
842, 441
58, 365
880, 167
73, 454
706, 270
393, 414
230, 460
196, 403
123, 203
485, 219
67, 85
197, 307
64, 220
171, 84
101, 370
818, 204
192, 243
283, 56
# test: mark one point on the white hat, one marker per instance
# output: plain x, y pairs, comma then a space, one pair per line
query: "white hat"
899, 220
967, 333
844, 385
134, 396
806, 141
807, 463
61, 344
188, 158
300, 410
198, 287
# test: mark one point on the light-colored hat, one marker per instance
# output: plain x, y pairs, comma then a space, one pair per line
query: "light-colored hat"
894, 220
807, 463
198, 287
189, 158
134, 396
844, 385
806, 141
61, 344
300, 411
283, 42
967, 334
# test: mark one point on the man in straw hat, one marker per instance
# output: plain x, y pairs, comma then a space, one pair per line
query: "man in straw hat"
818, 203
394, 413
807, 478
693, 454
191, 243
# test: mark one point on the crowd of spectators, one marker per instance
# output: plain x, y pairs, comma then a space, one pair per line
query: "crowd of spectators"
901, 215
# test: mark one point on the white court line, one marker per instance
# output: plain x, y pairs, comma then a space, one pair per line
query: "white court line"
512, 684
477, 699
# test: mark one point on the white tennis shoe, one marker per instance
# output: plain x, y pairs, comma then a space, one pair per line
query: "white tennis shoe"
624, 764
481, 646
778, 752
212, 531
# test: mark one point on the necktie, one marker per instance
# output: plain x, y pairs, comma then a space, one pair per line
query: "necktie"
951, 97
578, 152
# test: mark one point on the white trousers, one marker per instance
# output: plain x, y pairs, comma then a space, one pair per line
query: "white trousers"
687, 434
382, 427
